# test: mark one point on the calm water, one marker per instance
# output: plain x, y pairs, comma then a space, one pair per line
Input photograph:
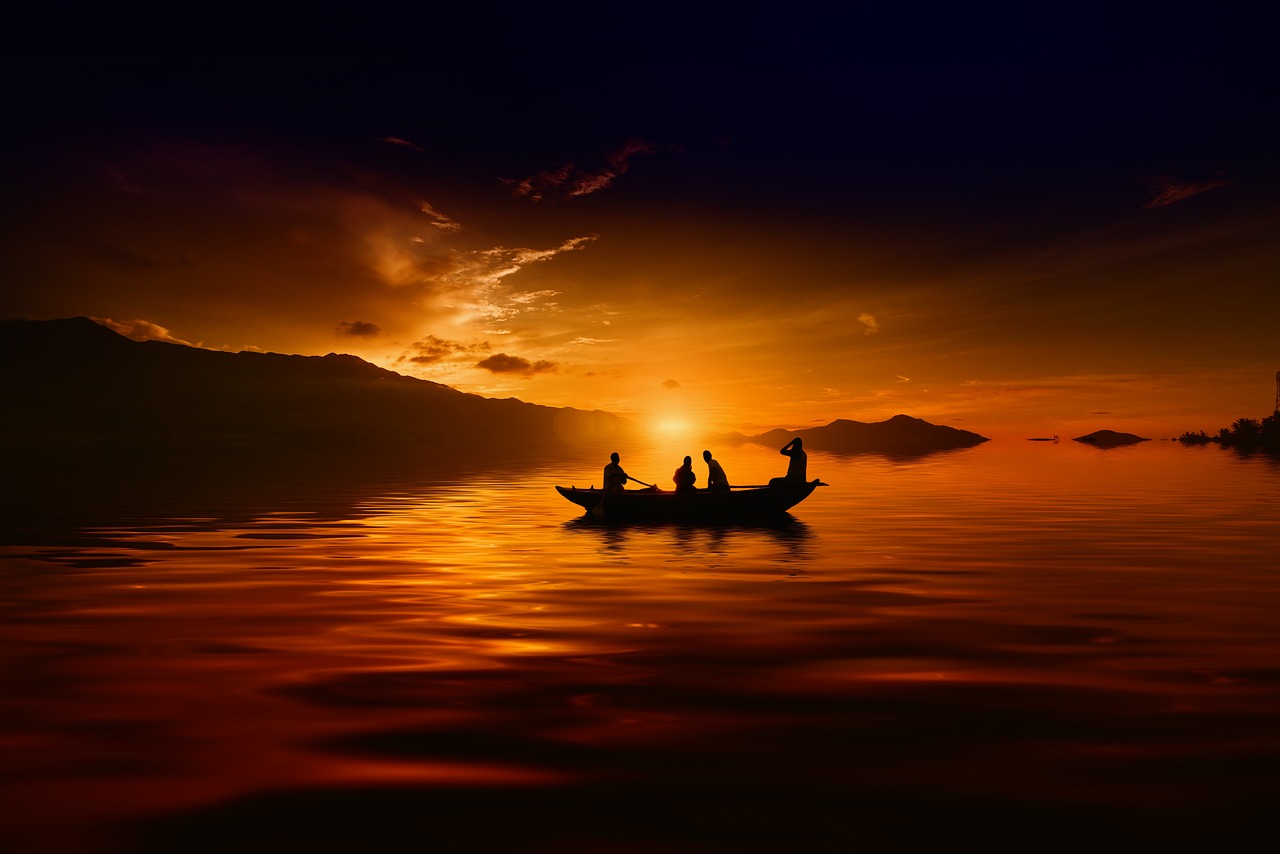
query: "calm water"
1021, 645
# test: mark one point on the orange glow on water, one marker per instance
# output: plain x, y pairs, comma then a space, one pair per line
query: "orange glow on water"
935, 623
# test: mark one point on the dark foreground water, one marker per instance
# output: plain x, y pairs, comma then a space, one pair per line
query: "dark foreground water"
1020, 646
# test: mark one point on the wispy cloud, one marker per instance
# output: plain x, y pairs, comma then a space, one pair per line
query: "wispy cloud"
395, 140
141, 330
569, 180
439, 220
465, 286
491, 266
358, 329
474, 289
501, 363
670, 384
1167, 191
871, 324
530, 297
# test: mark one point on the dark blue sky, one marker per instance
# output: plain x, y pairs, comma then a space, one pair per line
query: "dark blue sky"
956, 97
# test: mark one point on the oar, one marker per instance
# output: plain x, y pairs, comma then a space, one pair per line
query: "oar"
641, 482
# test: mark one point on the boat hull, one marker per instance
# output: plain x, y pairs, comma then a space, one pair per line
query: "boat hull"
652, 505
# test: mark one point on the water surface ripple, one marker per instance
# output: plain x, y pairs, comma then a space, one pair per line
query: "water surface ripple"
945, 653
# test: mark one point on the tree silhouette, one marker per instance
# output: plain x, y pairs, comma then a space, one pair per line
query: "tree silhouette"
1245, 434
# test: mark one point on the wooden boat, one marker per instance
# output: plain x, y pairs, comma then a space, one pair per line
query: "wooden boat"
737, 505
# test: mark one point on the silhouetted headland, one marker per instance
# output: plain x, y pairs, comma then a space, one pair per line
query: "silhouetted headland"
900, 436
1110, 439
74, 382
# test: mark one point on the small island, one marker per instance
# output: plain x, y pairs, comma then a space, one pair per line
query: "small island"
1110, 439
900, 436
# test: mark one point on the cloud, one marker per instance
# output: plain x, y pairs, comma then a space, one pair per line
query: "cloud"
869, 321
530, 297
358, 329
581, 339
327, 242
469, 286
438, 219
670, 384
395, 140
472, 287
141, 330
491, 266
432, 349
501, 363
903, 379
570, 181
401, 263
1167, 191
616, 165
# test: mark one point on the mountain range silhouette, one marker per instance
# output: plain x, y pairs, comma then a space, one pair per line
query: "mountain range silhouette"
73, 381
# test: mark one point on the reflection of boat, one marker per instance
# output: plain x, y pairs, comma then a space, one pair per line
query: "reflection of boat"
652, 505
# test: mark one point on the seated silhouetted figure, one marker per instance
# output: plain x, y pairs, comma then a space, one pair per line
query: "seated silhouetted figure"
684, 477
614, 477
797, 469
717, 481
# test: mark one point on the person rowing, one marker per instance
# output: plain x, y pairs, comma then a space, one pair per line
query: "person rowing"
615, 479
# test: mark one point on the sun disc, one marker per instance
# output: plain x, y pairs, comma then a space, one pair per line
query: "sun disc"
672, 426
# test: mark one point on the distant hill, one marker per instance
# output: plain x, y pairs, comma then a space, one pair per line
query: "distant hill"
1109, 439
74, 381
901, 435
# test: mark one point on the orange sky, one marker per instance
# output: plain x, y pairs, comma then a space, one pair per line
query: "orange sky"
791, 251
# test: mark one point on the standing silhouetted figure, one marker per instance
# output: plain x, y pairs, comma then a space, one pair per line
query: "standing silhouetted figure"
717, 481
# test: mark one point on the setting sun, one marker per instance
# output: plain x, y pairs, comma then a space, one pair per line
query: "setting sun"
672, 427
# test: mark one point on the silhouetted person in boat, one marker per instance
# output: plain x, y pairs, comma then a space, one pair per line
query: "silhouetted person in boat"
797, 469
614, 477
717, 481
684, 477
